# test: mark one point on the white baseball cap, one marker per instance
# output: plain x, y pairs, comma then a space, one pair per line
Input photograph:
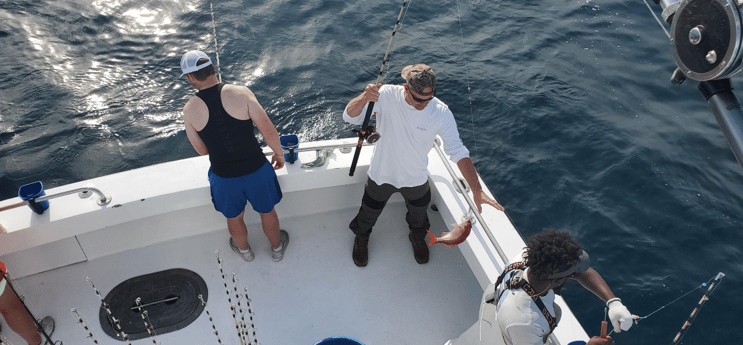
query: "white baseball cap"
190, 59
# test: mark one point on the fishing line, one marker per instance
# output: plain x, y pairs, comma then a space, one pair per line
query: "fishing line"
216, 45
467, 76
472, 115
657, 19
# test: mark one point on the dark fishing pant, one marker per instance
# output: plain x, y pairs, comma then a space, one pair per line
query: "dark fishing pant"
375, 198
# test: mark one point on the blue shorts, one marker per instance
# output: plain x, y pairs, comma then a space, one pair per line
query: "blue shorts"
231, 194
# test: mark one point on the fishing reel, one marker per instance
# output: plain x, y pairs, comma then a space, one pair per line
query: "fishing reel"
707, 41
370, 135
706, 36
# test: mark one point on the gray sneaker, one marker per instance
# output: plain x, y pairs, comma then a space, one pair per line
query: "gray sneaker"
48, 324
284, 240
247, 256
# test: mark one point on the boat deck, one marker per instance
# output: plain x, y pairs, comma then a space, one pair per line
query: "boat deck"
314, 293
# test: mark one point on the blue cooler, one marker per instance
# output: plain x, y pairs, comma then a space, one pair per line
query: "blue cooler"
290, 142
339, 341
31, 191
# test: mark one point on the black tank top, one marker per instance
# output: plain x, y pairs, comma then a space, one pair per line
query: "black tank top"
233, 148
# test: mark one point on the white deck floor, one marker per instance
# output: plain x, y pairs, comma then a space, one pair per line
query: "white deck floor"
314, 293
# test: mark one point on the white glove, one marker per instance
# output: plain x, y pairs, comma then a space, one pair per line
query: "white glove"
620, 317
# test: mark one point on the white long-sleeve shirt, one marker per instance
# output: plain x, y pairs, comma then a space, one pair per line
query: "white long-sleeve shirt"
400, 157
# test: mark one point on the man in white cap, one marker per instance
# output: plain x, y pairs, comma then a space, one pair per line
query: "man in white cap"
219, 122
408, 118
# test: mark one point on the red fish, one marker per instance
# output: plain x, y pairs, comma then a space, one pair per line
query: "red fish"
454, 237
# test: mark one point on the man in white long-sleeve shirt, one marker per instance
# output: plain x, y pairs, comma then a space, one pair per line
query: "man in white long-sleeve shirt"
409, 117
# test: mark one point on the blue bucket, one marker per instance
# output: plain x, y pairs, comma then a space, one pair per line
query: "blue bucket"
339, 341
290, 142
577, 342
31, 191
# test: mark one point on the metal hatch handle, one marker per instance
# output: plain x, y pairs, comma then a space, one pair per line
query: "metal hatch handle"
463, 187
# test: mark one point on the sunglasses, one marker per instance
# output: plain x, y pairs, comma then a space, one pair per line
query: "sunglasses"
419, 100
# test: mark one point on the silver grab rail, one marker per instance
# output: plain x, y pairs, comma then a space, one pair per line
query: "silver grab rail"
310, 147
83, 193
461, 184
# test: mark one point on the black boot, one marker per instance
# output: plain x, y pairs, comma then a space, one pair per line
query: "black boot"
361, 251
420, 249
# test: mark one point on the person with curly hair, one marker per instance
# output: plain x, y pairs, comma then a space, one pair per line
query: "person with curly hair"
520, 307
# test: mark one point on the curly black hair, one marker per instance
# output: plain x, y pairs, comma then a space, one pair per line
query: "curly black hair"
551, 251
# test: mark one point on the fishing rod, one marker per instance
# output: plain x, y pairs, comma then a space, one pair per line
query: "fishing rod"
214, 328
242, 331
250, 314
216, 45
116, 322
229, 295
146, 320
240, 326
84, 326
694, 313
23, 303
365, 133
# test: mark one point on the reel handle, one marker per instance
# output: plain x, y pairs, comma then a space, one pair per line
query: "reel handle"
604, 328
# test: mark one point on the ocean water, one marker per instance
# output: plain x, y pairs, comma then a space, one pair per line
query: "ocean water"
566, 107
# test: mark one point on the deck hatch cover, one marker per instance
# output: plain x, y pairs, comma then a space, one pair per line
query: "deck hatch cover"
170, 298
